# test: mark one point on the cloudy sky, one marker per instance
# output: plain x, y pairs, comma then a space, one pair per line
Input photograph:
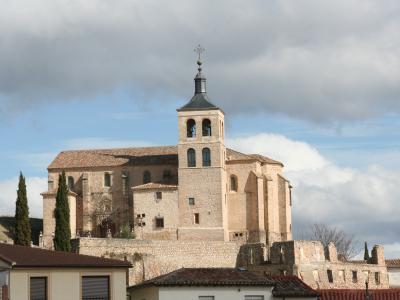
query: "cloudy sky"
315, 84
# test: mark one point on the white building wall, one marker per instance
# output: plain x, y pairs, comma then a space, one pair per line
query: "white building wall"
193, 293
65, 284
220, 293
394, 277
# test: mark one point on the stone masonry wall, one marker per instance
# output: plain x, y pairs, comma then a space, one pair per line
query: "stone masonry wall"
154, 258
321, 269
146, 202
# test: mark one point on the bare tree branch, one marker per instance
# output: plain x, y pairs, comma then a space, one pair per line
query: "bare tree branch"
346, 244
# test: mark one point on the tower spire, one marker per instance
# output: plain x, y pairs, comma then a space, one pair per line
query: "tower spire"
200, 79
200, 99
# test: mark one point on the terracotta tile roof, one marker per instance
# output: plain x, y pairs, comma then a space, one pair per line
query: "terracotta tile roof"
284, 287
393, 262
155, 186
208, 277
292, 286
29, 257
265, 159
233, 155
384, 294
116, 157
135, 156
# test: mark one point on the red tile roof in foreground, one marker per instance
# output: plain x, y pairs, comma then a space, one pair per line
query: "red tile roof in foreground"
283, 286
384, 294
29, 257
292, 286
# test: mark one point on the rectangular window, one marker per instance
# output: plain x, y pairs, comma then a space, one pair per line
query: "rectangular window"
191, 201
38, 288
330, 275
377, 278
206, 297
253, 297
158, 195
95, 287
196, 218
107, 179
160, 222
354, 276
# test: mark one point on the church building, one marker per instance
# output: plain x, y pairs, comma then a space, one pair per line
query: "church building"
195, 190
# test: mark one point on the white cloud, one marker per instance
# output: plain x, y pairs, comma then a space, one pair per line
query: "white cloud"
8, 196
392, 250
283, 149
319, 60
362, 202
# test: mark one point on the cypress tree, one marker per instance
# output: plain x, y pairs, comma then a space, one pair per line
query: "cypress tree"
22, 227
366, 252
62, 235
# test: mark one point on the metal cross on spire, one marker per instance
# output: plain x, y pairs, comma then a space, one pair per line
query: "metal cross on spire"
199, 50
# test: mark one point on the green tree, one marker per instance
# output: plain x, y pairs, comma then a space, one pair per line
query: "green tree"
22, 229
62, 235
366, 252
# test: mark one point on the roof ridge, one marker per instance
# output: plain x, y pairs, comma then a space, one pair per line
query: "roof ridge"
23, 257
117, 148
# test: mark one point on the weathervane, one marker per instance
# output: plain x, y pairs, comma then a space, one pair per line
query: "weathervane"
199, 50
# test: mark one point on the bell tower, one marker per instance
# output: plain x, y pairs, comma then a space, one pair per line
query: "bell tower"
202, 175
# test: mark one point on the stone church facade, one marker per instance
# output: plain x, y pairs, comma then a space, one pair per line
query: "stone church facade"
195, 204
196, 190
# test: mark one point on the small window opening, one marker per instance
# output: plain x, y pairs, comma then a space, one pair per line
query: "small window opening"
191, 201
282, 254
377, 278
71, 182
355, 279
234, 185
146, 177
196, 218
191, 128
158, 195
160, 222
330, 275
107, 179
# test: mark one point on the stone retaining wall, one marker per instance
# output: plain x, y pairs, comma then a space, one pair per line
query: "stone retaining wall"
152, 258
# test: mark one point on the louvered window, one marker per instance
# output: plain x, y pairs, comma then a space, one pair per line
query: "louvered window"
38, 288
206, 157
191, 158
95, 288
